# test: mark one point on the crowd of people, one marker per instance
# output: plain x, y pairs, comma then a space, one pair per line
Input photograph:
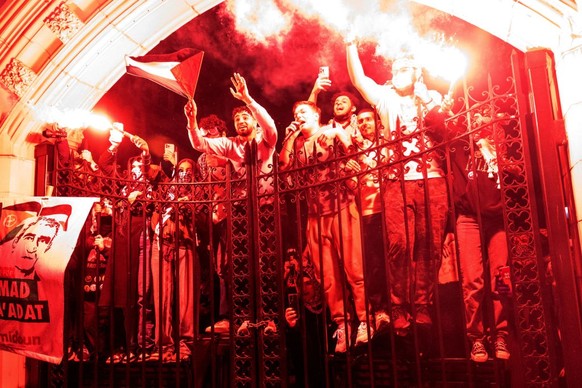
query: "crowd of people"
376, 219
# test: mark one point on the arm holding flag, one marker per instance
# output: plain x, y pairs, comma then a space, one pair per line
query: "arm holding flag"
215, 146
194, 133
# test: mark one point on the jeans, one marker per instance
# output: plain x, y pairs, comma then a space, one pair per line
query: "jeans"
471, 260
413, 256
375, 262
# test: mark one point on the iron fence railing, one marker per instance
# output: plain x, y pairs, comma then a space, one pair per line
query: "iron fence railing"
266, 268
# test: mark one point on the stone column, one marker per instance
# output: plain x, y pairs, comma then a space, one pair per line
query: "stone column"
568, 66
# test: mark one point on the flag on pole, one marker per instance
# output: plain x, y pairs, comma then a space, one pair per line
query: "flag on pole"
177, 71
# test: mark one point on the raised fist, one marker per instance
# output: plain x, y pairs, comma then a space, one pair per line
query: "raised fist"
115, 136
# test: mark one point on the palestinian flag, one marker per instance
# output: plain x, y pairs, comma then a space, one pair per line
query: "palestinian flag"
177, 71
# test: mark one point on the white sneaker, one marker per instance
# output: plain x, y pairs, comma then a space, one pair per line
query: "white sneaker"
362, 335
501, 351
340, 336
478, 352
222, 326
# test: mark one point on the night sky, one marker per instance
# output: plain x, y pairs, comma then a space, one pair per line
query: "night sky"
277, 75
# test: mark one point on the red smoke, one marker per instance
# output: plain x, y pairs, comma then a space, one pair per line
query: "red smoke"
281, 69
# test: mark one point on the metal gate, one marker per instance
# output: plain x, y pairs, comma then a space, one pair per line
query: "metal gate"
266, 227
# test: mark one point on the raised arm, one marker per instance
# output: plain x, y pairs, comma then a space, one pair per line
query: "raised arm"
321, 84
108, 159
145, 151
266, 122
240, 91
368, 88
194, 133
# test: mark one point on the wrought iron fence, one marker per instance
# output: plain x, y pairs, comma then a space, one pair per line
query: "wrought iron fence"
298, 239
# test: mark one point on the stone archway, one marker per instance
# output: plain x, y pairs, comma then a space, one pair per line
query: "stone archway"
68, 55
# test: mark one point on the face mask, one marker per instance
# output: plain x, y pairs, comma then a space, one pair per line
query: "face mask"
402, 80
184, 175
136, 172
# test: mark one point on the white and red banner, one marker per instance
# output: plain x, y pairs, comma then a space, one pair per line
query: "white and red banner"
37, 238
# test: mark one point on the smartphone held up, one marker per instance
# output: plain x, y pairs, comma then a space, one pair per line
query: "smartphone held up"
171, 149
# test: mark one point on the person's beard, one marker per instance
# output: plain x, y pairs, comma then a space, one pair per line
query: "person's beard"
342, 118
245, 130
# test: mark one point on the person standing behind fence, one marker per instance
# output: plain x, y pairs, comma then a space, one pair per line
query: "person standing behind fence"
371, 157
345, 105
173, 263
247, 121
252, 123
305, 340
415, 195
100, 241
124, 285
481, 237
329, 207
213, 168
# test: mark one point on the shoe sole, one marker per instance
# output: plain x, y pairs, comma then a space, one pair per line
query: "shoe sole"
479, 359
217, 330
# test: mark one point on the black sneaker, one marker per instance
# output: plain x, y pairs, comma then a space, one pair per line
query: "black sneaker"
501, 351
400, 317
84, 354
478, 352
422, 315
382, 320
